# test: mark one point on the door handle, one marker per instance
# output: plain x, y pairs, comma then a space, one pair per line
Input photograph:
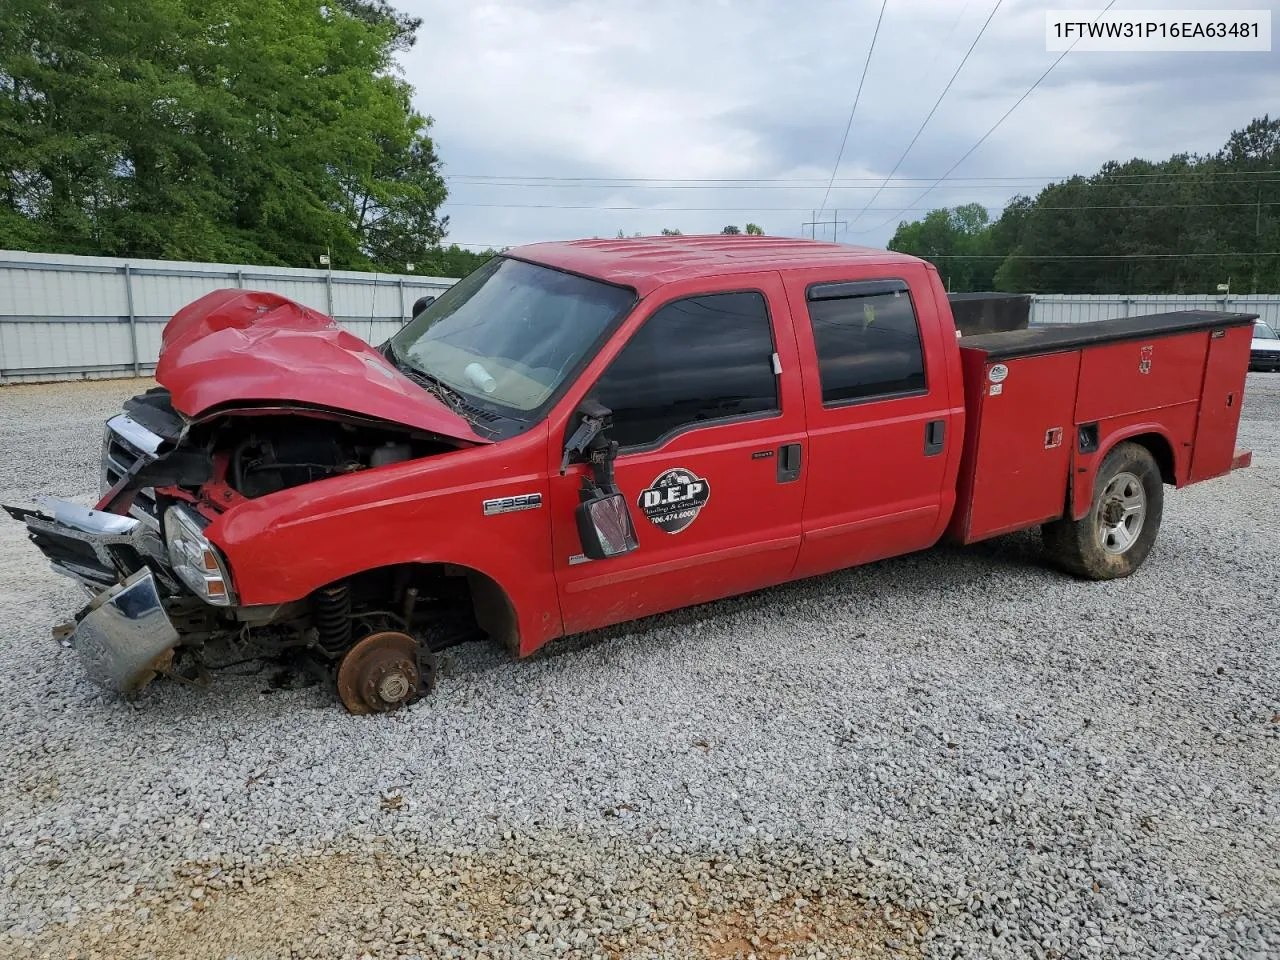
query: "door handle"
935, 435
788, 462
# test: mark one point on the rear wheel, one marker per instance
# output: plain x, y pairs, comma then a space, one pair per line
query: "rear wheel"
1116, 535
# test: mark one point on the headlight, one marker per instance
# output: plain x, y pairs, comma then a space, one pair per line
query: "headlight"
195, 560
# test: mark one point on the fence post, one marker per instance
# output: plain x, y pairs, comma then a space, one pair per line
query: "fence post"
1128, 306
400, 287
328, 291
240, 279
133, 317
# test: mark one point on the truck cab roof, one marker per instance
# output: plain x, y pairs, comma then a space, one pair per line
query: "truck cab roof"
646, 263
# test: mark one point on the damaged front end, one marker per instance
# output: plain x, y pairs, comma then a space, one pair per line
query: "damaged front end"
123, 636
117, 551
164, 597
258, 395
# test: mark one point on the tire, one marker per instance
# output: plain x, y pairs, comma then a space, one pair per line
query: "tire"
1116, 535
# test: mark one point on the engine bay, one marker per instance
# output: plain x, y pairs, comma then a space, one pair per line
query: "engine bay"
269, 453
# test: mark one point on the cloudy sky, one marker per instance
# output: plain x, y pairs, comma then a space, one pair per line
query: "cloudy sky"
560, 118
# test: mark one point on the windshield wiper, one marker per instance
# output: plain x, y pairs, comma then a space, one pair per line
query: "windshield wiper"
449, 397
437, 388
433, 385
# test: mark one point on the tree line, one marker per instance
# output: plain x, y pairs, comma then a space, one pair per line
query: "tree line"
245, 131
732, 230
1182, 225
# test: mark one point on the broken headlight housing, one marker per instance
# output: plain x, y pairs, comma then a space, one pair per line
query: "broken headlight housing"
195, 560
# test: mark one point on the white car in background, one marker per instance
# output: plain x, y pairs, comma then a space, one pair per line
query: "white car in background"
1265, 352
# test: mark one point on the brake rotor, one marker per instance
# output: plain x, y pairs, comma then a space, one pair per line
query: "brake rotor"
382, 672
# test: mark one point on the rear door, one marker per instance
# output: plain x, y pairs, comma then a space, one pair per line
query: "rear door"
885, 412
705, 391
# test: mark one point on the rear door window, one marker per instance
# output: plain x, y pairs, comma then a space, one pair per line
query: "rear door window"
867, 339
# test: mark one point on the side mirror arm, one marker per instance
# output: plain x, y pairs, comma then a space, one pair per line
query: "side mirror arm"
600, 455
589, 443
588, 431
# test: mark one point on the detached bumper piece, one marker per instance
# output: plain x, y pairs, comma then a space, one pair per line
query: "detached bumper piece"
92, 547
125, 638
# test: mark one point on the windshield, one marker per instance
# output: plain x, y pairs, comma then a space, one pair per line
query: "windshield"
1262, 332
511, 332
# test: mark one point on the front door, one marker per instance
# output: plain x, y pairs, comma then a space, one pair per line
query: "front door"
707, 409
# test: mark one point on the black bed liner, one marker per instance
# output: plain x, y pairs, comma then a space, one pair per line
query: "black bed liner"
1073, 336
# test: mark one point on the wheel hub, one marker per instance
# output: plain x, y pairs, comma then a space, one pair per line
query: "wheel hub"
394, 687
1122, 511
380, 673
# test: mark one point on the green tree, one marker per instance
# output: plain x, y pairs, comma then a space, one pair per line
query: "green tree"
755, 230
382, 14
731, 231
452, 261
1181, 225
671, 232
246, 130
958, 240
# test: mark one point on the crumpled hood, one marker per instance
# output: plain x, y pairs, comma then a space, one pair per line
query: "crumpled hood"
247, 346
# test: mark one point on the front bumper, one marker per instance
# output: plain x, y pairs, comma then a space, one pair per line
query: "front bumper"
1264, 360
125, 637
94, 548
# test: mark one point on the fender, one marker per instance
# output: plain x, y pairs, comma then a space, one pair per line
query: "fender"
1084, 466
282, 547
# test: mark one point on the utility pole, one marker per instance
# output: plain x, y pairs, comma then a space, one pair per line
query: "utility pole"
834, 223
1257, 237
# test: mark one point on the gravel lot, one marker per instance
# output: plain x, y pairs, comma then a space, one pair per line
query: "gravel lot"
958, 753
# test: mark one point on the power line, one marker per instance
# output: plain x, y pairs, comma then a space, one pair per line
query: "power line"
950, 33
934, 108
1003, 118
842, 183
854, 109
1011, 256
990, 207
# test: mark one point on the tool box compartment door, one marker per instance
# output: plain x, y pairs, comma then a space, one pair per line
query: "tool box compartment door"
1017, 457
1224, 374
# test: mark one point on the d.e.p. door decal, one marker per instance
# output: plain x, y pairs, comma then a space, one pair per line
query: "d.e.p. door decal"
674, 499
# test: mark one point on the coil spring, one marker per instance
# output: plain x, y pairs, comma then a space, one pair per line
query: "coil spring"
332, 617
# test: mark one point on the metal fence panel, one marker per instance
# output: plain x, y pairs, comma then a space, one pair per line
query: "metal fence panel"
68, 317
1083, 308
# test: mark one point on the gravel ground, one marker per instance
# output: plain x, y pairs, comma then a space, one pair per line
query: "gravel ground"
958, 753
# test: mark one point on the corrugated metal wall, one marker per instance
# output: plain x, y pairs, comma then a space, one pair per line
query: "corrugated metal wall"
71, 318
1073, 308
65, 317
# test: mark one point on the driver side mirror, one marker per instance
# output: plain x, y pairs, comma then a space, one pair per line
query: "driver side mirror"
604, 527
604, 523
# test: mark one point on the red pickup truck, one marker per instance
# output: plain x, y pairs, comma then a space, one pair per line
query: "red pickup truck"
583, 433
